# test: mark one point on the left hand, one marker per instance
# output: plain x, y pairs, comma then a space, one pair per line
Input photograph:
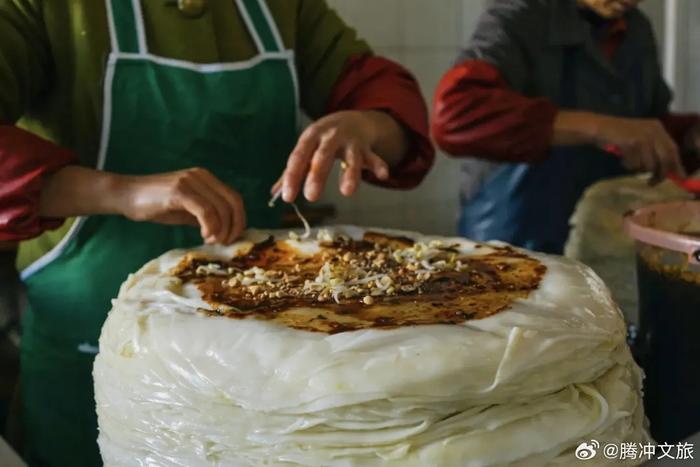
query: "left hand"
349, 136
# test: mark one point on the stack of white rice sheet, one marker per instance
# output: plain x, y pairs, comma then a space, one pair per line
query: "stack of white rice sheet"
177, 386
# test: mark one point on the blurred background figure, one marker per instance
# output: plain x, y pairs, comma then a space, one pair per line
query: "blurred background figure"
550, 97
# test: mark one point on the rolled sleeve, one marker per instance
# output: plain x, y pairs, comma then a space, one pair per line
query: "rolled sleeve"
482, 108
25, 74
475, 113
25, 159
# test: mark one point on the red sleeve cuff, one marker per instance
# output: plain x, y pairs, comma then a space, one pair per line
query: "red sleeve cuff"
375, 83
477, 114
24, 160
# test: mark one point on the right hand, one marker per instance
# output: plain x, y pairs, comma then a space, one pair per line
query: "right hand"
187, 197
643, 144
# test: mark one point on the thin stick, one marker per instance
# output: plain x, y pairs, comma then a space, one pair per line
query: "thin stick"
307, 227
274, 198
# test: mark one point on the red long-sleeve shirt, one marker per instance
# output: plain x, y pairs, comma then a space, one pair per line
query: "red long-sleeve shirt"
24, 160
368, 82
476, 112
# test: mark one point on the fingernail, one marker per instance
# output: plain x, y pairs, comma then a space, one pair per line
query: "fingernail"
287, 193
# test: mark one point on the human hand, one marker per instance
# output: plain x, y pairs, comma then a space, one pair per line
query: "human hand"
187, 197
348, 136
643, 144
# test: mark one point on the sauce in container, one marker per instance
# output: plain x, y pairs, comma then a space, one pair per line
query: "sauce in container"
668, 343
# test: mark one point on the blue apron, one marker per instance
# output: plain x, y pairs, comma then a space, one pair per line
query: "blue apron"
529, 205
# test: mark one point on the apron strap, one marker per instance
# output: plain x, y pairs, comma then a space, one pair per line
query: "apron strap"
128, 34
261, 26
126, 29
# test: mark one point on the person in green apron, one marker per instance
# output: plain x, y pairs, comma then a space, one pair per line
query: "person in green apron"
194, 134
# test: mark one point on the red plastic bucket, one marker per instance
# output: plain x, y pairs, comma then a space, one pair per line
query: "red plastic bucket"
667, 345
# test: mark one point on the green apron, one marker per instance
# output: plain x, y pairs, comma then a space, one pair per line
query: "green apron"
239, 120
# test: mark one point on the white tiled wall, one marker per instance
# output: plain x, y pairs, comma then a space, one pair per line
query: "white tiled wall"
425, 36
